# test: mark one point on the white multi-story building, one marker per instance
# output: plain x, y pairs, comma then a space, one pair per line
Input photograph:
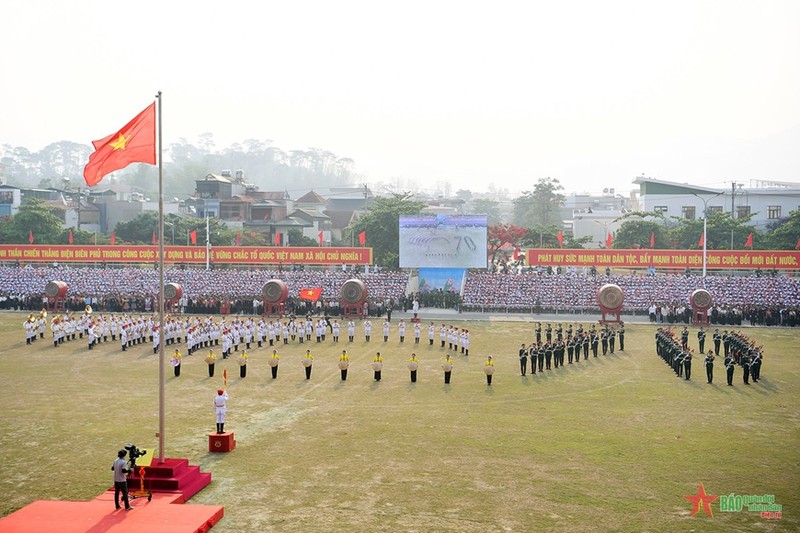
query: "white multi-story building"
767, 201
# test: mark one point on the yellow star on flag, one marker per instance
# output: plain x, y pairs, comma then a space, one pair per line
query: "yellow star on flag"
120, 143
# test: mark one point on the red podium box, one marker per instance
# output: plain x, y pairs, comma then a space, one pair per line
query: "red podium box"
221, 442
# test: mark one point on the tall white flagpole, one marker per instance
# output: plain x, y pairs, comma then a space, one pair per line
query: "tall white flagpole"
161, 358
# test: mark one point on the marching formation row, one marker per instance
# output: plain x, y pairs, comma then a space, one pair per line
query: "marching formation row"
202, 332
553, 349
739, 349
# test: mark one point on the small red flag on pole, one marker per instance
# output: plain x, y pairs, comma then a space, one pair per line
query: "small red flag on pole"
749, 242
560, 238
701, 242
609, 240
362, 238
320, 235
278, 239
652, 239
30, 236
193, 236
71, 239
796, 246
225, 379
113, 238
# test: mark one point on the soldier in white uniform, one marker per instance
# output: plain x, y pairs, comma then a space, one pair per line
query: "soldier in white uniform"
220, 409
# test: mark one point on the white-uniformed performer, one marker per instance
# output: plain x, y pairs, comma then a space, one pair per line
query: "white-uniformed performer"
220, 409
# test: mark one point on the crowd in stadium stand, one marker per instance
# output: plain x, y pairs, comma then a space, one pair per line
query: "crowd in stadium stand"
133, 289
762, 300
767, 300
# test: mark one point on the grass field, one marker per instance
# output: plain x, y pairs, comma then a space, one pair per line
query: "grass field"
610, 444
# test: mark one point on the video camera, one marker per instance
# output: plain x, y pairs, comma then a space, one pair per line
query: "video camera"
133, 454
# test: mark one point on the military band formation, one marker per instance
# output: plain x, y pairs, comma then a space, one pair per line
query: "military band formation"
737, 350
553, 348
577, 341
237, 336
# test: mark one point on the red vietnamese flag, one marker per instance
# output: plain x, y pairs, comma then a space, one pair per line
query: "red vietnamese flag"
134, 143
749, 242
320, 235
193, 236
113, 238
516, 253
652, 239
560, 238
30, 236
362, 238
70, 238
701, 242
609, 240
238, 239
278, 239
311, 295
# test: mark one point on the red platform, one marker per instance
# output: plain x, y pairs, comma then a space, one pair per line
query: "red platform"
163, 514
221, 442
172, 483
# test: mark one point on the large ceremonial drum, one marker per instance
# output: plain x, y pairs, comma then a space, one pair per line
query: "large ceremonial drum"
275, 291
172, 292
354, 292
700, 299
610, 297
55, 289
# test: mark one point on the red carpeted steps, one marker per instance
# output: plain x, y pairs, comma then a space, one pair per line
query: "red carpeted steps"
171, 476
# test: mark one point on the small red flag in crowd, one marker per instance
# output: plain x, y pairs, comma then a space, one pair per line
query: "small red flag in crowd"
311, 295
278, 239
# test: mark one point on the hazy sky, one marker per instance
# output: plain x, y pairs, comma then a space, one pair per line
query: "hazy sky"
593, 93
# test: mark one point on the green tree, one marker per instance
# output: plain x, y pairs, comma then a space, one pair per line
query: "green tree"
382, 225
783, 235
490, 208
33, 217
541, 206
638, 227
720, 227
296, 238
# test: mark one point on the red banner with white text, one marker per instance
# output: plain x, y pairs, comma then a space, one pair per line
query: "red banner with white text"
666, 259
256, 255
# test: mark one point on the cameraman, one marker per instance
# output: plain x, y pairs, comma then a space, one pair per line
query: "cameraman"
120, 468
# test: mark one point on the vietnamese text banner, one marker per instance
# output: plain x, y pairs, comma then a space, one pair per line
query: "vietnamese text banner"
715, 259
187, 254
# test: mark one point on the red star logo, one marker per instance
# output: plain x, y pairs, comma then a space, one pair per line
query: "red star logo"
701, 498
